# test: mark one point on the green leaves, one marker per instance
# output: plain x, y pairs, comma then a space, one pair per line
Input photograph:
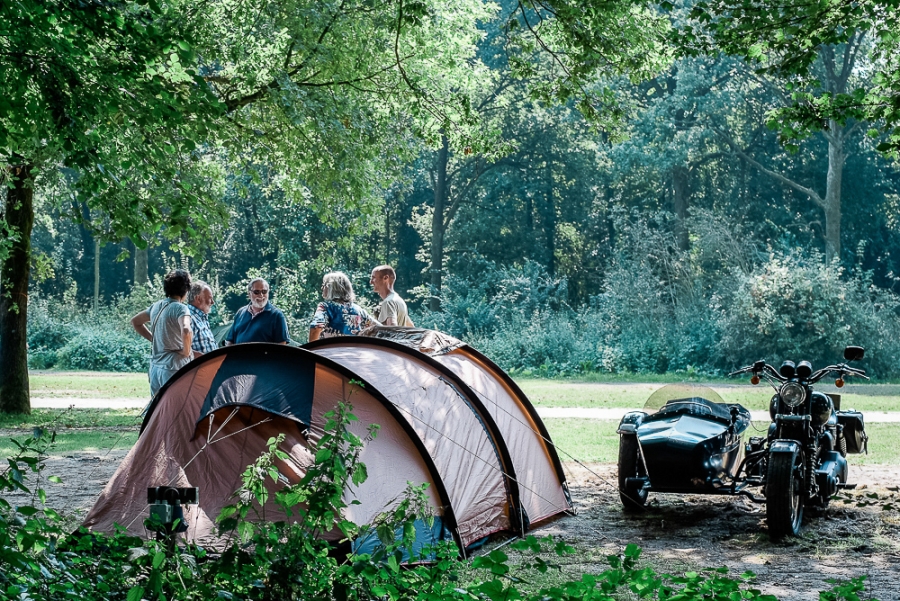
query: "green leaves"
135, 594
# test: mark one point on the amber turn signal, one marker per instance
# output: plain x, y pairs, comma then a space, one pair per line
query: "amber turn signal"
839, 383
754, 380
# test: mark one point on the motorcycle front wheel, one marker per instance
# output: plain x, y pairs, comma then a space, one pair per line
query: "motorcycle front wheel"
784, 494
631, 466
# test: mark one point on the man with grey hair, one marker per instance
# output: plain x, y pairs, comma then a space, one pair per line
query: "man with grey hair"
259, 321
200, 302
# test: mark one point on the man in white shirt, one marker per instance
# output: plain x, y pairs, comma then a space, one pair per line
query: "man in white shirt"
393, 309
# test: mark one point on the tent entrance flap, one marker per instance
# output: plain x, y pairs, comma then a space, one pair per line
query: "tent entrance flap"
273, 382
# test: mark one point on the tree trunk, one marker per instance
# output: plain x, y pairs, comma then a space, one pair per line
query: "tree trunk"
141, 266
437, 224
96, 303
14, 275
836, 159
550, 220
680, 200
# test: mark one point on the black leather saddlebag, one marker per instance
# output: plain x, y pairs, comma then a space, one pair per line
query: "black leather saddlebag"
854, 431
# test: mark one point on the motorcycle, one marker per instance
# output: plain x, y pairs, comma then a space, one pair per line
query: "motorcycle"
688, 440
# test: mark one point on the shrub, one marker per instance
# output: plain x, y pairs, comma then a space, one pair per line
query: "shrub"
492, 297
64, 335
795, 309
662, 309
46, 336
104, 349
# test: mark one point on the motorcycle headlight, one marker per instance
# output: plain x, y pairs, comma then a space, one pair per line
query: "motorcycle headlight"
793, 394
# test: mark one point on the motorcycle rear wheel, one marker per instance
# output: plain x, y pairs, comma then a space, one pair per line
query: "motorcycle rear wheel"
631, 466
784, 494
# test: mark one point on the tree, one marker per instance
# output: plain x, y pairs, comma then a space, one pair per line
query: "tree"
784, 38
147, 101
548, 53
838, 65
88, 86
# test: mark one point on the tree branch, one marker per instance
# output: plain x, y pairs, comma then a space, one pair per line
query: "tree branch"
812, 194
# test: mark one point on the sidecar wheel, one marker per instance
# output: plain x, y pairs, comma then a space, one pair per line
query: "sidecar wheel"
784, 494
631, 466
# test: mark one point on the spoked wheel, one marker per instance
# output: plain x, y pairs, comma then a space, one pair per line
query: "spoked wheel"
784, 494
631, 466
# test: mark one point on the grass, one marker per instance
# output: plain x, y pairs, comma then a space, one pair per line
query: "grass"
563, 393
585, 440
96, 385
81, 441
62, 419
614, 391
590, 440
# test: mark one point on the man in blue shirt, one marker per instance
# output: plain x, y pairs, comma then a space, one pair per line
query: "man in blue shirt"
259, 321
200, 302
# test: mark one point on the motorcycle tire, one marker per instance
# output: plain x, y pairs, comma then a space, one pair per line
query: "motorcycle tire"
784, 494
631, 466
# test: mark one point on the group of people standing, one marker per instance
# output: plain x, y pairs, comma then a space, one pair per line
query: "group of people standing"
178, 325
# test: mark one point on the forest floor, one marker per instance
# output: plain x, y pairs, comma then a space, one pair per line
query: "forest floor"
677, 533
681, 533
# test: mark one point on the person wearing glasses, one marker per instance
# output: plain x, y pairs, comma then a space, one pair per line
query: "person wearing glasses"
259, 321
338, 314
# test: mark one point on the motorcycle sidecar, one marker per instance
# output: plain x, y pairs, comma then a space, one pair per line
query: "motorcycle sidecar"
685, 441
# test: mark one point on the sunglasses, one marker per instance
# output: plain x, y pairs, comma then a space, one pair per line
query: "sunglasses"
259, 291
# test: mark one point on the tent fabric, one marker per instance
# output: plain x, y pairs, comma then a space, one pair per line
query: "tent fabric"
452, 420
465, 455
532, 456
430, 342
271, 381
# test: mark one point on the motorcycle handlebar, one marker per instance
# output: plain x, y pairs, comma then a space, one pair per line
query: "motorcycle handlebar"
842, 368
760, 368
764, 368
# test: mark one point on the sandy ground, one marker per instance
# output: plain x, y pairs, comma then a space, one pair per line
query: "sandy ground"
677, 532
690, 532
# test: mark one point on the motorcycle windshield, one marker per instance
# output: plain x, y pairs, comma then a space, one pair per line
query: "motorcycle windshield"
688, 398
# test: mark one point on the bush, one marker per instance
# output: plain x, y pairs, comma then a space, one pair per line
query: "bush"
46, 336
281, 560
795, 309
63, 335
663, 310
545, 343
492, 297
104, 349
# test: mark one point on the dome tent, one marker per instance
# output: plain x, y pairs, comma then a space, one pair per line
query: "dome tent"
448, 417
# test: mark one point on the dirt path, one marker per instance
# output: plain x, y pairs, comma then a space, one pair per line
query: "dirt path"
677, 533
680, 533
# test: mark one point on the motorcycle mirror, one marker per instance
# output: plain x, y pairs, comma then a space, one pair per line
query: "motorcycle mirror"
854, 353
804, 369
839, 383
788, 369
754, 380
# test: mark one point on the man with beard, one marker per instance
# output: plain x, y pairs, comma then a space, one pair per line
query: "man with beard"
259, 321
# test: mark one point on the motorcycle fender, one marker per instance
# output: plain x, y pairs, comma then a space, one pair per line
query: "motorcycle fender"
784, 446
630, 422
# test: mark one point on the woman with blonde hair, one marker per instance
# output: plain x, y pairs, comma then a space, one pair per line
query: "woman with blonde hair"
338, 314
